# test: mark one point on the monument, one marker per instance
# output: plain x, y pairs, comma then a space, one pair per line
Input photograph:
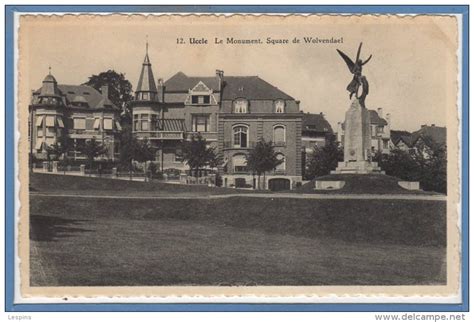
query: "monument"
357, 136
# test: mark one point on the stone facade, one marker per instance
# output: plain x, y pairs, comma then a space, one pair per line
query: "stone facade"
78, 113
231, 112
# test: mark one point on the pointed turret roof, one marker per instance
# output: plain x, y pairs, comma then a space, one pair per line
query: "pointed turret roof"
50, 86
146, 83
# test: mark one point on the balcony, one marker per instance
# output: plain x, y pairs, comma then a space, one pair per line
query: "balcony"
161, 135
230, 145
279, 143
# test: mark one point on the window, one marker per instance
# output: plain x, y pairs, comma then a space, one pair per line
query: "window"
282, 166
154, 122
241, 106
141, 122
96, 124
200, 99
40, 131
240, 137
279, 135
239, 161
144, 123
178, 155
60, 122
50, 132
79, 124
385, 144
200, 123
108, 124
39, 120
279, 106
135, 122
50, 121
145, 96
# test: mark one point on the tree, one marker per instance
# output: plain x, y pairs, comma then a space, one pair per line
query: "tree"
144, 153
61, 148
93, 149
128, 146
120, 90
262, 158
324, 159
198, 155
426, 162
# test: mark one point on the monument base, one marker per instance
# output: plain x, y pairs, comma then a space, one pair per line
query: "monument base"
357, 167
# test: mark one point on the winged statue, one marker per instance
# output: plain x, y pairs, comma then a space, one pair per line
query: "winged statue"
359, 80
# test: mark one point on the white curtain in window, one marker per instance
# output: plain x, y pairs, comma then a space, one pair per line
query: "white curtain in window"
38, 145
39, 120
96, 124
80, 124
108, 124
239, 160
60, 122
279, 134
50, 121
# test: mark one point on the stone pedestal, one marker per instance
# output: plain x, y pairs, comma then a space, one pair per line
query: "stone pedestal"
82, 168
45, 166
358, 167
357, 142
55, 166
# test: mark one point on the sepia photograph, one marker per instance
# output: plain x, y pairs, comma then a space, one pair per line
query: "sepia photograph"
239, 155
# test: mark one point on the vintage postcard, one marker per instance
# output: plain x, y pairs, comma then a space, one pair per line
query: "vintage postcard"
238, 158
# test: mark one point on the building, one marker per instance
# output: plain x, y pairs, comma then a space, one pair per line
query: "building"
231, 112
252, 109
78, 112
427, 136
400, 140
316, 131
379, 131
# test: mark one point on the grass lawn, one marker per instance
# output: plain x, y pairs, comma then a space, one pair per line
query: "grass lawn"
105, 186
378, 184
236, 241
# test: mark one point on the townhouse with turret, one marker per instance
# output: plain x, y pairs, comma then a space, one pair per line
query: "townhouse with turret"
231, 112
76, 112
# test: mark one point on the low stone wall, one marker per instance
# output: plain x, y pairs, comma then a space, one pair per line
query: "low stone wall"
328, 185
409, 185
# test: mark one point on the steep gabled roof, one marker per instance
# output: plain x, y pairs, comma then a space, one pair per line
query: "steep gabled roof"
180, 82
433, 132
251, 87
316, 123
395, 135
376, 119
94, 99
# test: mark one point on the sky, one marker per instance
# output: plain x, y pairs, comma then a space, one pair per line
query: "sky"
412, 74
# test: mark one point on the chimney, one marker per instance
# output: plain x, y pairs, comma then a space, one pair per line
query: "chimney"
220, 77
105, 91
161, 90
380, 112
433, 124
423, 126
389, 120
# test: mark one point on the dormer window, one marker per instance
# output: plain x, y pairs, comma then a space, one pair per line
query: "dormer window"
241, 106
279, 106
200, 99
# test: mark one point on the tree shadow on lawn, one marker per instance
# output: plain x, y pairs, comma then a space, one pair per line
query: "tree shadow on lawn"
49, 228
